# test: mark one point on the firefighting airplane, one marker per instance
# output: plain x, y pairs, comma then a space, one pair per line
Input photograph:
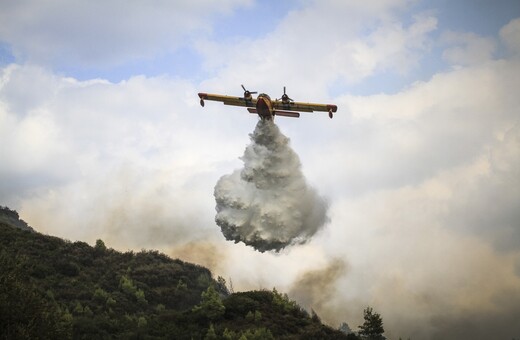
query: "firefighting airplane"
267, 108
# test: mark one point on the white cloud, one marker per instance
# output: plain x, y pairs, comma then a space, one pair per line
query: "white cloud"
78, 152
103, 32
392, 140
467, 48
314, 46
425, 186
390, 47
444, 245
510, 34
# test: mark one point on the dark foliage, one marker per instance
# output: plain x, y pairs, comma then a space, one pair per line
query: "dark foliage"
372, 327
24, 312
55, 289
275, 312
11, 217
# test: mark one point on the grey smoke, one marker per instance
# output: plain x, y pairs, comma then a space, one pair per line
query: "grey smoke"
317, 289
268, 204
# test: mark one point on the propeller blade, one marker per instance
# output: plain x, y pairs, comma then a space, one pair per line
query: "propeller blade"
285, 97
248, 92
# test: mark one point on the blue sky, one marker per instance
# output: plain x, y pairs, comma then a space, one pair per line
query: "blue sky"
254, 20
102, 136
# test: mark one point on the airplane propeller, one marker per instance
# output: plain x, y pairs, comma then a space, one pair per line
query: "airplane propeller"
247, 94
285, 98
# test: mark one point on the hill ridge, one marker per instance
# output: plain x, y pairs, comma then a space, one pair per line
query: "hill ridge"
74, 290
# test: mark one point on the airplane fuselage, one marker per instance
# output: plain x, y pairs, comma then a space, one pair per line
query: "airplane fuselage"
264, 106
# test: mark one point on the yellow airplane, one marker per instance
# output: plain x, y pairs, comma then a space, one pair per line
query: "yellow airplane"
265, 107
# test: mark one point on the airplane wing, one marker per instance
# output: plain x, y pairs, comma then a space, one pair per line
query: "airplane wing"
227, 100
304, 107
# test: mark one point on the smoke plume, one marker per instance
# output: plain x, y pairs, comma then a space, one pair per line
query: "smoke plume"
267, 204
317, 289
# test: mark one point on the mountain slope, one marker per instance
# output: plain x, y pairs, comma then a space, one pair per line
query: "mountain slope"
53, 288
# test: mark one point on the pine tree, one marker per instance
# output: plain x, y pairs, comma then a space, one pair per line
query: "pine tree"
211, 305
211, 335
372, 327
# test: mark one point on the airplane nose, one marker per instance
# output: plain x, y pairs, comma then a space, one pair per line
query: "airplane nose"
261, 102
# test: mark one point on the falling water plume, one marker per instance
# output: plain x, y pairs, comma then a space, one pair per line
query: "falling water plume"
268, 204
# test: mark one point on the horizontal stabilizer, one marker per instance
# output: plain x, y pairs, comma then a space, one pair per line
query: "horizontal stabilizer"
287, 113
251, 110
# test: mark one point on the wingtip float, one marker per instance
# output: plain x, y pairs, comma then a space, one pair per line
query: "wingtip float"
265, 107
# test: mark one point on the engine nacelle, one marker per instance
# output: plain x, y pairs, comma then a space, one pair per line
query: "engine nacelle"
247, 96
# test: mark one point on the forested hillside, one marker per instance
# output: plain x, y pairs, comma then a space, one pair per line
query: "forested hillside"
52, 288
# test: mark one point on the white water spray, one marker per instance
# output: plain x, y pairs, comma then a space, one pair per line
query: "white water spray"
267, 204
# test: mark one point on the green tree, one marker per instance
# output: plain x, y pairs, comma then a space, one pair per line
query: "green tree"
222, 285
181, 285
372, 327
283, 301
127, 285
24, 311
258, 334
211, 335
211, 305
110, 302
100, 295
250, 316
228, 335
258, 316
139, 294
87, 311
78, 309
141, 322
100, 247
